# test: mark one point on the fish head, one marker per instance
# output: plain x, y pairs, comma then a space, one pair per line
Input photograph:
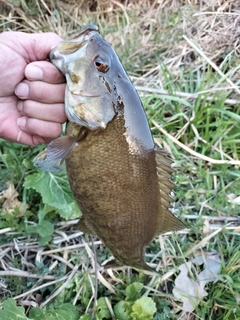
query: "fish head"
92, 68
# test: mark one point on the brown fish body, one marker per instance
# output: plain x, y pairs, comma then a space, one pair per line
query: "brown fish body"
116, 189
119, 179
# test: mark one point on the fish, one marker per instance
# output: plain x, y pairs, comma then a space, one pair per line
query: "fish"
120, 179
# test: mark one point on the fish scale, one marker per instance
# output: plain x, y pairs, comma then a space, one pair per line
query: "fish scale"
119, 205
119, 178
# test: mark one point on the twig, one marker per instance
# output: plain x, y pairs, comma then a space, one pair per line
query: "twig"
96, 279
110, 308
27, 303
82, 245
70, 265
194, 153
62, 286
203, 242
20, 273
124, 10
189, 95
191, 216
39, 287
216, 13
215, 67
58, 240
6, 230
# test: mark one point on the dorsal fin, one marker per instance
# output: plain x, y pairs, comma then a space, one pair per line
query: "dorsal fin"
166, 220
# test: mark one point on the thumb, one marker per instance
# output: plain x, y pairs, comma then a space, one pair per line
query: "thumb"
42, 44
32, 47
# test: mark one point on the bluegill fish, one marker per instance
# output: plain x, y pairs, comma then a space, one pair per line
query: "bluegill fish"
119, 178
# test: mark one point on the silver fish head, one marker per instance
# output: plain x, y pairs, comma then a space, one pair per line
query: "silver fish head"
92, 71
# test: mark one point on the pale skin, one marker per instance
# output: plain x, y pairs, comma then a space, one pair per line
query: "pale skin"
31, 89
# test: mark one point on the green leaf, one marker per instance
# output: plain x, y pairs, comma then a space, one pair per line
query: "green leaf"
122, 310
143, 309
11, 312
45, 228
133, 291
43, 241
37, 313
102, 309
85, 317
55, 192
63, 312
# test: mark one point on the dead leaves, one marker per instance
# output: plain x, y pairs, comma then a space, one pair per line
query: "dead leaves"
10, 201
190, 283
234, 199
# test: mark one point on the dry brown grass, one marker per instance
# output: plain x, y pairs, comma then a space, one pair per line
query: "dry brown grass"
213, 24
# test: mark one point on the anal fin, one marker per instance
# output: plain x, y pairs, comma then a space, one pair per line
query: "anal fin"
83, 226
168, 223
112, 264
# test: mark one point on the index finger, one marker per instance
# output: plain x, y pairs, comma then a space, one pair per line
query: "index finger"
44, 71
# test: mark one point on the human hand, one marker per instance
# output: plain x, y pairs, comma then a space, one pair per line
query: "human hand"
31, 89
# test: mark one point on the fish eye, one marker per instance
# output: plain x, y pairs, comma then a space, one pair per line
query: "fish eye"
101, 65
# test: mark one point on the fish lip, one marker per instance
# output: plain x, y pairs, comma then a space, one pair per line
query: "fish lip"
81, 39
84, 34
88, 28
85, 95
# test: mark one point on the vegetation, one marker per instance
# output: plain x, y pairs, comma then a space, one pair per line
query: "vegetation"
182, 56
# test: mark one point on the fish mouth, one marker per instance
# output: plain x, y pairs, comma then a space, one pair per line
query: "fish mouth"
74, 48
85, 98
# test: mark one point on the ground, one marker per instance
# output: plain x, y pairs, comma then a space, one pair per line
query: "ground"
183, 58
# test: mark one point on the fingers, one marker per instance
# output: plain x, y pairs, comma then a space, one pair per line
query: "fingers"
27, 139
45, 129
48, 112
39, 91
43, 71
9, 129
41, 120
40, 103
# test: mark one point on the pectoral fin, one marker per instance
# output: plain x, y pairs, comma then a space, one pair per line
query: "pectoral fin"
52, 158
42, 162
60, 147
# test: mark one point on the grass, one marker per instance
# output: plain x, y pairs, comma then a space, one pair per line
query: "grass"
45, 262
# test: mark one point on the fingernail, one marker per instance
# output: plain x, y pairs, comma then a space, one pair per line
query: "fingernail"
21, 122
33, 73
22, 90
20, 105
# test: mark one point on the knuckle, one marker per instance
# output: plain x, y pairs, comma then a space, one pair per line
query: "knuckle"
35, 90
26, 108
38, 91
44, 129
